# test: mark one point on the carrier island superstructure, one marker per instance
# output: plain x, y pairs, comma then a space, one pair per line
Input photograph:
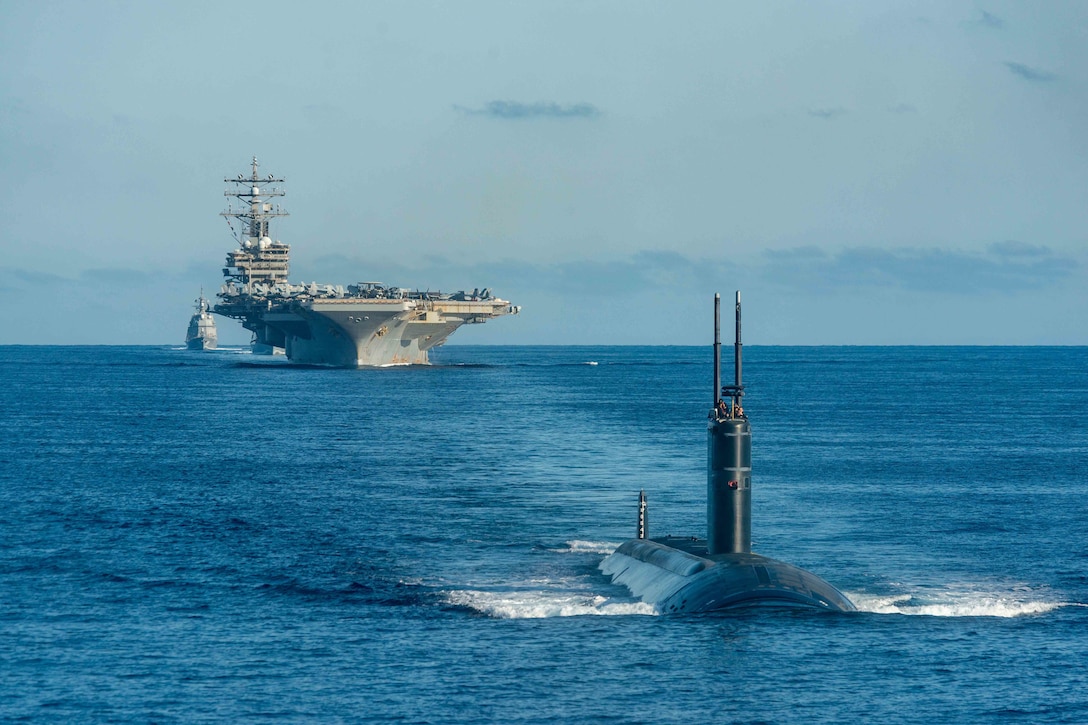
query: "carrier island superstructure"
364, 324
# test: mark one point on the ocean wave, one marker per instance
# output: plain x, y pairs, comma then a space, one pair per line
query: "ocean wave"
610, 363
464, 365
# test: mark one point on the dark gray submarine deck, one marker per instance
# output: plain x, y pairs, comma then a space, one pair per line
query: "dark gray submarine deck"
677, 575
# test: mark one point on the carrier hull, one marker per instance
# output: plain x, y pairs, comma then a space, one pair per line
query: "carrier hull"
359, 332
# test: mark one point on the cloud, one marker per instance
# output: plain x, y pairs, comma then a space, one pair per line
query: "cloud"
1030, 74
638, 273
989, 20
123, 278
795, 254
633, 275
827, 114
32, 277
108, 306
902, 108
1012, 248
102, 278
514, 110
1003, 267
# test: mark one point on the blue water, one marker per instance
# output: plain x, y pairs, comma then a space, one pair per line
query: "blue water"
191, 537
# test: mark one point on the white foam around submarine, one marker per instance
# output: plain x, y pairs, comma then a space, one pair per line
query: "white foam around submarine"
958, 603
588, 547
541, 604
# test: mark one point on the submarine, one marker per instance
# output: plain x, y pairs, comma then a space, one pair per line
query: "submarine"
688, 574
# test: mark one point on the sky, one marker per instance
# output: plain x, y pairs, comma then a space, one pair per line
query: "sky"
867, 173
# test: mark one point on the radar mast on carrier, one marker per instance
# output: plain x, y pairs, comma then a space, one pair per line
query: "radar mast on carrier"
258, 258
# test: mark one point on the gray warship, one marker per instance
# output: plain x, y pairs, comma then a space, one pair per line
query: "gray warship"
365, 324
680, 574
201, 334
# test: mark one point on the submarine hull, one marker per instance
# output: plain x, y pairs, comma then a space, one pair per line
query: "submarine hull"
676, 575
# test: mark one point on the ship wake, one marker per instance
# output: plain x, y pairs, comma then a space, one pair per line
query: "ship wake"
961, 601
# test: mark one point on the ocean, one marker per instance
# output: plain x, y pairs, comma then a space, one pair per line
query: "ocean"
210, 537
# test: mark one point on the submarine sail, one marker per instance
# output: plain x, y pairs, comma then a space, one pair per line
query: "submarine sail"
689, 574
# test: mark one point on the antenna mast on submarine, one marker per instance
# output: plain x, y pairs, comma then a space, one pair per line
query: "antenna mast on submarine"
738, 387
729, 462
735, 391
717, 348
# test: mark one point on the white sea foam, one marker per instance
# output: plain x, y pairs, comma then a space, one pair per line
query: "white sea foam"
578, 546
958, 602
540, 604
591, 362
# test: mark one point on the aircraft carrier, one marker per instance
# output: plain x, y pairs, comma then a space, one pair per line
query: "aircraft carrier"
364, 324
